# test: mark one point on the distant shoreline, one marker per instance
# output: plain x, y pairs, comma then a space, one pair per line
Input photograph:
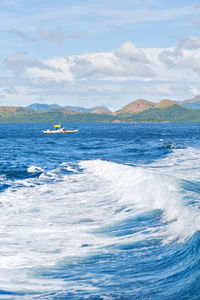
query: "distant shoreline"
139, 111
65, 122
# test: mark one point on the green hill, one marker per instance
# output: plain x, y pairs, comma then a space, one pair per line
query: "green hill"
173, 113
28, 116
165, 111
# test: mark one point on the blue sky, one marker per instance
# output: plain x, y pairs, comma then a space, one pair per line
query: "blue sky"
107, 52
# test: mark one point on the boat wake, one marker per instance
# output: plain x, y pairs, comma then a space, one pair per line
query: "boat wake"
54, 225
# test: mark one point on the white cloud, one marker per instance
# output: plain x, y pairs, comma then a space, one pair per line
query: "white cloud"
181, 59
191, 42
60, 63
124, 74
19, 64
128, 51
127, 61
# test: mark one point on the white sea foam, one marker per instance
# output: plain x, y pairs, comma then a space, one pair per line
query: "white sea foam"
69, 167
181, 163
34, 169
58, 216
147, 189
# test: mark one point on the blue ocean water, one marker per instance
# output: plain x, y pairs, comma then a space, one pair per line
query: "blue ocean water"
109, 212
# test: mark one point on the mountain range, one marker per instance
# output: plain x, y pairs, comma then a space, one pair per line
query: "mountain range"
135, 106
192, 103
78, 109
137, 111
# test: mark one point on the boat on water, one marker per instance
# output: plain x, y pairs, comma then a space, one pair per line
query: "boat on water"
59, 130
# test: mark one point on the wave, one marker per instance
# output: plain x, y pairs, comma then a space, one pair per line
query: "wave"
142, 189
35, 169
97, 208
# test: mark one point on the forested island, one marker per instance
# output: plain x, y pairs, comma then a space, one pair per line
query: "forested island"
137, 111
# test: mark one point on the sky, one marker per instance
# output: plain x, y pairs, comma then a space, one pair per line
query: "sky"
89, 53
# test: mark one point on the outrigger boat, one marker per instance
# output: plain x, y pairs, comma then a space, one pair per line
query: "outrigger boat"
59, 130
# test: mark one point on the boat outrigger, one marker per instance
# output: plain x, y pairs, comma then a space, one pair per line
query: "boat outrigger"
59, 130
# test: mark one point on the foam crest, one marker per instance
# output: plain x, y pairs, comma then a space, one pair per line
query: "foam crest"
57, 214
35, 169
60, 217
146, 189
183, 163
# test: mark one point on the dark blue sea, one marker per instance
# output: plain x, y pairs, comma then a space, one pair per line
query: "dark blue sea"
109, 212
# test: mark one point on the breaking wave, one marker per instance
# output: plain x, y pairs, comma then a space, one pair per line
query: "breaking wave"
54, 225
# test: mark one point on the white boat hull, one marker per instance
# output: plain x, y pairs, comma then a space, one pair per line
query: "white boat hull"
61, 130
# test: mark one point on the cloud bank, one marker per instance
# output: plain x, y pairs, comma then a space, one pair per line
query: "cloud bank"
110, 78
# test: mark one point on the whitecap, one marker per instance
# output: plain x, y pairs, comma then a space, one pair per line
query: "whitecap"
35, 169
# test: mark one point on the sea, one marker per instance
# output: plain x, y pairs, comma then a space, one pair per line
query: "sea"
110, 212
